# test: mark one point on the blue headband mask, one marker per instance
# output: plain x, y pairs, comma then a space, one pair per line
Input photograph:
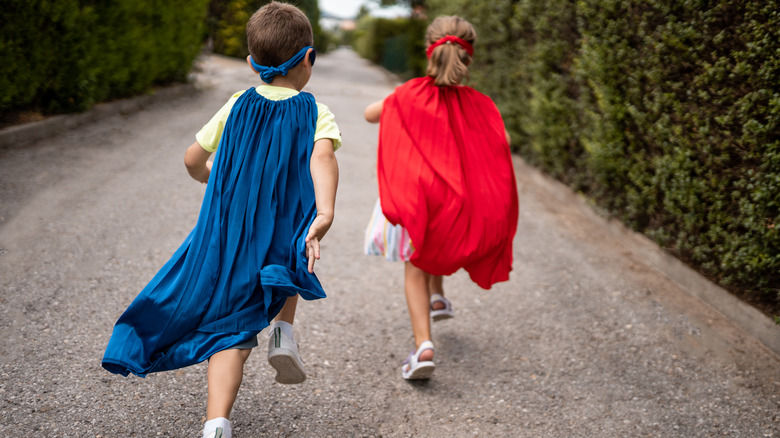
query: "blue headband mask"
267, 74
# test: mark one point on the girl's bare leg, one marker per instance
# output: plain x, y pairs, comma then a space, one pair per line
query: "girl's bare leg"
417, 299
436, 286
225, 372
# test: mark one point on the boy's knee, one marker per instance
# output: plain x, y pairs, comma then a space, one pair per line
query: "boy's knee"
243, 354
232, 355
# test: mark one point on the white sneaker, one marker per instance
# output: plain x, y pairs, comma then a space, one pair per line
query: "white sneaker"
283, 357
217, 428
218, 433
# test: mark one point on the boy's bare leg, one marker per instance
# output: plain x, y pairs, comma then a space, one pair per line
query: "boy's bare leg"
225, 372
287, 314
417, 299
283, 353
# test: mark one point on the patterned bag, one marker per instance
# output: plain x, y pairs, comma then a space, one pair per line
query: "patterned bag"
385, 239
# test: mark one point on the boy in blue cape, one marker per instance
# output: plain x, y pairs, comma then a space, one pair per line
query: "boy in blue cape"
269, 201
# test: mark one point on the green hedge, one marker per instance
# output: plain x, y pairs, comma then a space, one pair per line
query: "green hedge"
664, 113
66, 55
227, 24
397, 44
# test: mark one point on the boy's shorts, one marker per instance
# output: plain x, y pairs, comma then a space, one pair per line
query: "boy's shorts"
246, 345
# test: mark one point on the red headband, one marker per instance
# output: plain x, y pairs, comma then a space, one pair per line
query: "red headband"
448, 39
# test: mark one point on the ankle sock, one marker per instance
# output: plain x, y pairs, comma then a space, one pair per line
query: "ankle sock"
210, 426
286, 327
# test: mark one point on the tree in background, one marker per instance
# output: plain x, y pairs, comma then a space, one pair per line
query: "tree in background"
227, 24
412, 4
397, 44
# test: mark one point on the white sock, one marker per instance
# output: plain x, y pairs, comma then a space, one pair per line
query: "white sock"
211, 426
286, 327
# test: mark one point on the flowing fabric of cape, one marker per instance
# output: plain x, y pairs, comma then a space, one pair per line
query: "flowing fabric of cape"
246, 254
445, 173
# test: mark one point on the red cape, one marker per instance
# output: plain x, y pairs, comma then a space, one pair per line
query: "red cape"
445, 173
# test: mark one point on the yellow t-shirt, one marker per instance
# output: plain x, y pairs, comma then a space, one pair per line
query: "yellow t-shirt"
208, 137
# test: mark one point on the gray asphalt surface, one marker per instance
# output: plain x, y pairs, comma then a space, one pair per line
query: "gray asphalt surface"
586, 340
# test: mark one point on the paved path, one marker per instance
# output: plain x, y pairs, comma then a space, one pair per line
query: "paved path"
585, 340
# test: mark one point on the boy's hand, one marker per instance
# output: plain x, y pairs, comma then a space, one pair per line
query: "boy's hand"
312, 251
318, 228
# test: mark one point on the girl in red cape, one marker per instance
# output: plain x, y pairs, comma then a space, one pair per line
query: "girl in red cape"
447, 191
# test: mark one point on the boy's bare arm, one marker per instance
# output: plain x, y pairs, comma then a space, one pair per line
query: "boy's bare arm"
325, 176
196, 159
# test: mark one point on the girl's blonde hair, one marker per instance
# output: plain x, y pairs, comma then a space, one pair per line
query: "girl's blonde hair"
448, 64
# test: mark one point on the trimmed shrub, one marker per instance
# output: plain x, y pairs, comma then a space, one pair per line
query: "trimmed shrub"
65, 55
227, 24
397, 44
665, 114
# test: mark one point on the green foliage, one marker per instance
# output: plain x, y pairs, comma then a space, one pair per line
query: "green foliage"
397, 44
312, 10
227, 24
665, 113
65, 55
683, 141
524, 60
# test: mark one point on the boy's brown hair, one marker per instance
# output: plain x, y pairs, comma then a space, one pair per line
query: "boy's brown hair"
276, 32
448, 64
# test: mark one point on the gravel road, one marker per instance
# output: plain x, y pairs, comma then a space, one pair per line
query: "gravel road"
586, 340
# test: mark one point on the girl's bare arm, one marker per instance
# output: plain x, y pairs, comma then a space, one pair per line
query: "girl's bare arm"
373, 112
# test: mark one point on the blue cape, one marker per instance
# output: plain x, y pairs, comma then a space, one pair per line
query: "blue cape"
246, 254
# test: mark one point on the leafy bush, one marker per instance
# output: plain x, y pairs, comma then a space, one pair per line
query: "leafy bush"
65, 55
665, 113
227, 24
397, 44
